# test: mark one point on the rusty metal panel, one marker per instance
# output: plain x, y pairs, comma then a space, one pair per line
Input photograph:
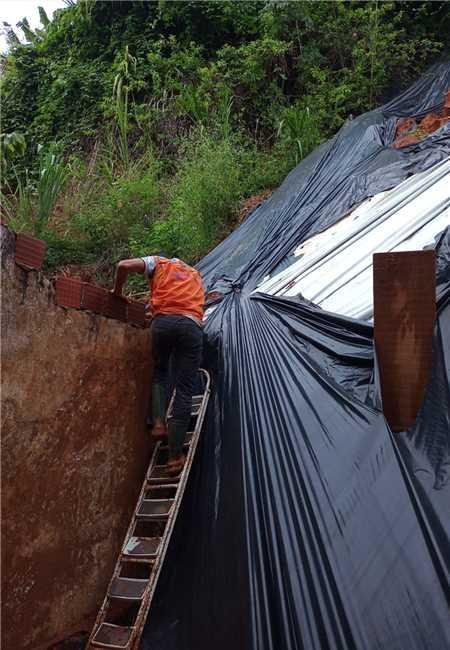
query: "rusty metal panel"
404, 315
30, 251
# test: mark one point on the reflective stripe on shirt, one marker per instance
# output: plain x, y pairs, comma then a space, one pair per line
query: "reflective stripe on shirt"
150, 263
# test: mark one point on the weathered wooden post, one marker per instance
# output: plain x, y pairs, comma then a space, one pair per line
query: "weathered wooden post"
404, 315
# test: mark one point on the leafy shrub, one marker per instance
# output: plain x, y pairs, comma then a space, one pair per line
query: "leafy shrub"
106, 220
12, 145
211, 102
214, 174
206, 191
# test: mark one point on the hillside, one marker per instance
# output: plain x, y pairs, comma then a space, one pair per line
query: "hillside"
131, 127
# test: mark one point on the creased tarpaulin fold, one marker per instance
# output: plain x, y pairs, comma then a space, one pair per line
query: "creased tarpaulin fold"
306, 523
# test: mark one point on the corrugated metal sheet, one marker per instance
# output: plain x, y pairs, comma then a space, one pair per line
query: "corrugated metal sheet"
334, 269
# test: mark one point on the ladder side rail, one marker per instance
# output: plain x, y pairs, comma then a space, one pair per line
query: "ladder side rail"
172, 398
151, 587
100, 616
170, 407
150, 468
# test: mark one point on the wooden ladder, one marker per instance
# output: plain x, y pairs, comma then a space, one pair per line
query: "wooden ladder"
122, 616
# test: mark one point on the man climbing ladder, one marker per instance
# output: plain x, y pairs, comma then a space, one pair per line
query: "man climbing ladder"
127, 603
176, 306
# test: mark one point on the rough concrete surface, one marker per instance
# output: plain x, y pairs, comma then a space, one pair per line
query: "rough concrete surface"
74, 453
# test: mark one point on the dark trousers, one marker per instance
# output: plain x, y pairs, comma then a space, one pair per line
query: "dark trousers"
177, 340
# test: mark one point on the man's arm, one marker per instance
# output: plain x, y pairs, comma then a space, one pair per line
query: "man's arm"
123, 269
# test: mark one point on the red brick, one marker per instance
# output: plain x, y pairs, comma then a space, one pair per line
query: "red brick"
136, 314
94, 298
30, 251
430, 123
404, 125
405, 140
116, 307
68, 292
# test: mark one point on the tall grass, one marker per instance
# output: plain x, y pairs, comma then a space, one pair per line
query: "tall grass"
298, 131
31, 204
202, 199
121, 92
215, 172
17, 206
53, 174
129, 201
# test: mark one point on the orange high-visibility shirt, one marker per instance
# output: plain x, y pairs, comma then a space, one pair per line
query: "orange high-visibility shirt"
176, 288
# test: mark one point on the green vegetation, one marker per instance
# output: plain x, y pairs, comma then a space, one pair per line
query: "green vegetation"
130, 127
31, 206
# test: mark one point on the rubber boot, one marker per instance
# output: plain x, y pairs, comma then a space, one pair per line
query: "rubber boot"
177, 435
175, 465
159, 430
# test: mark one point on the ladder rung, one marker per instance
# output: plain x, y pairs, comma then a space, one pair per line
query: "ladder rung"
187, 440
127, 588
197, 401
186, 446
163, 481
159, 476
154, 509
166, 486
112, 636
159, 471
142, 547
137, 560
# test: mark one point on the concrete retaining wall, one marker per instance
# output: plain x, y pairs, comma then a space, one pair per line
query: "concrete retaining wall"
74, 453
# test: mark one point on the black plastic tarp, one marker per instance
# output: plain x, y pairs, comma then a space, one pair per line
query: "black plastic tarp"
307, 524
357, 163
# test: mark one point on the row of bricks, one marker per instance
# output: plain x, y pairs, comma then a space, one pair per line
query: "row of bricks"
74, 293
71, 292
430, 121
420, 132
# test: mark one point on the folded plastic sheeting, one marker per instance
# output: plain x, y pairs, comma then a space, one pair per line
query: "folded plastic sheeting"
306, 524
334, 269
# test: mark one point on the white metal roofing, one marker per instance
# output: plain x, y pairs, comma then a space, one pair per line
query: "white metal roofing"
334, 269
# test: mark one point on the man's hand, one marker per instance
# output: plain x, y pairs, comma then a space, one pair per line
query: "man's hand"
122, 270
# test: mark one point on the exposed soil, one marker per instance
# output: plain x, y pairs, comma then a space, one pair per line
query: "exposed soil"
411, 130
250, 204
